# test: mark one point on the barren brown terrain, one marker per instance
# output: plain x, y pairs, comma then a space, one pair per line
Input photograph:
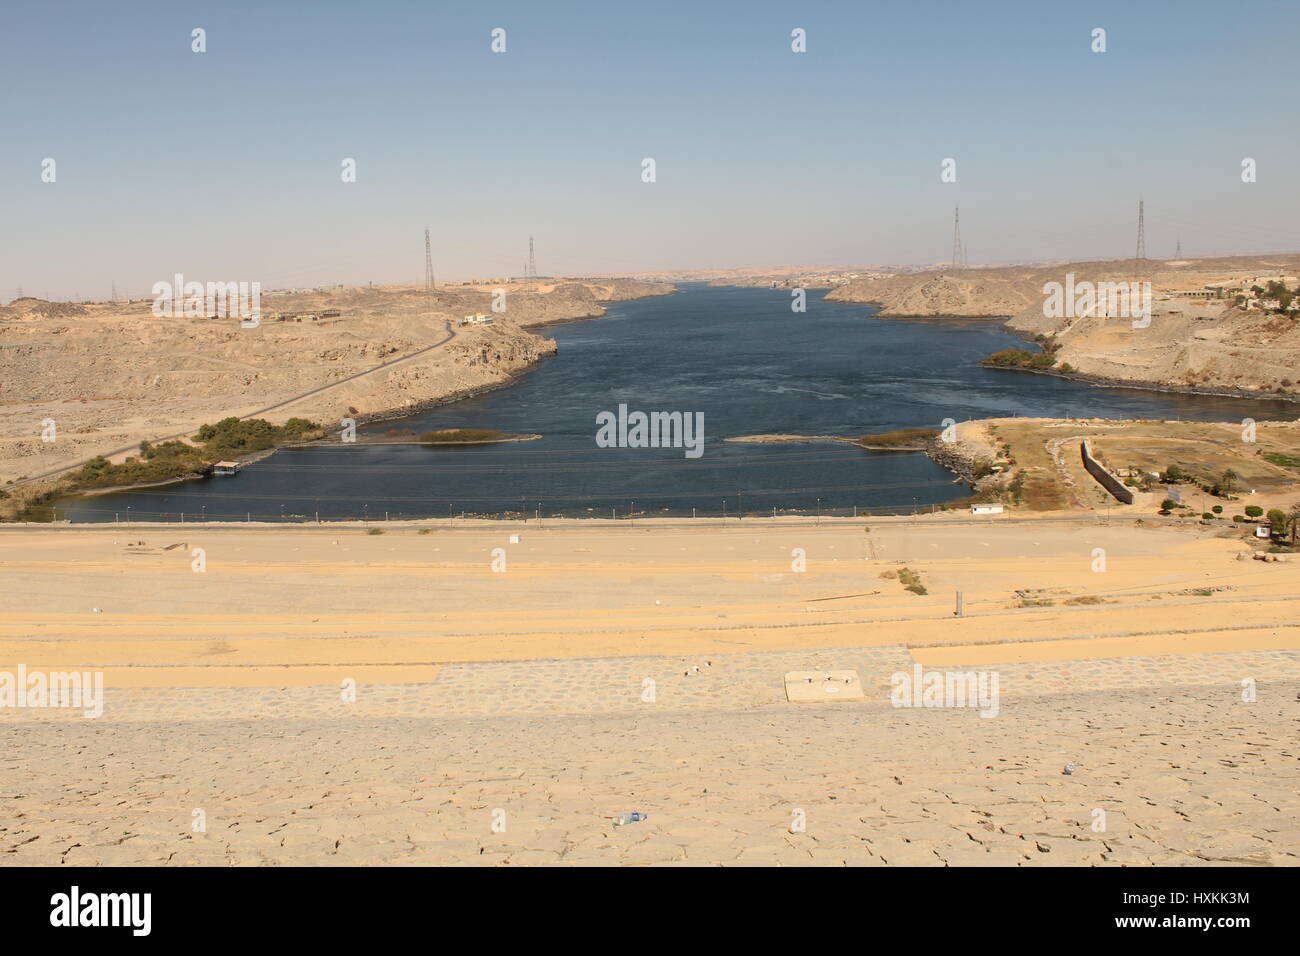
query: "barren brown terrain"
112, 374
1190, 343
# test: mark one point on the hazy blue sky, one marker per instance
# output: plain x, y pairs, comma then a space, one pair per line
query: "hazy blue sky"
226, 165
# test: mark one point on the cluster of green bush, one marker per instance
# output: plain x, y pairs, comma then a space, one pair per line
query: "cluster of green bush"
99, 472
1222, 487
462, 434
1020, 358
1274, 289
908, 437
170, 460
911, 581
239, 436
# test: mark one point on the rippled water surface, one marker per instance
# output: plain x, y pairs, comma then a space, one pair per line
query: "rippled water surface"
739, 356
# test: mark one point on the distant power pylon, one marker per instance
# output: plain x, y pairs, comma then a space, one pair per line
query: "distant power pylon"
532, 260
1139, 257
956, 237
1142, 232
428, 264
1178, 249
114, 292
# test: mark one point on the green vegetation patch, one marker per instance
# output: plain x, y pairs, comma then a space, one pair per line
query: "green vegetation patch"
902, 437
462, 435
170, 460
1020, 358
1285, 460
911, 581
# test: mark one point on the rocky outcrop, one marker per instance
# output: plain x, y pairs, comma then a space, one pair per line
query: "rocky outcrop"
1190, 343
930, 294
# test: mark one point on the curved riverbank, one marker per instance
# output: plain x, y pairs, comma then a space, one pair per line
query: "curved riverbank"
1101, 381
730, 354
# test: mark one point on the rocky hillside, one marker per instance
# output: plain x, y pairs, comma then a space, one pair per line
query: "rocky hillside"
112, 374
1190, 343
931, 294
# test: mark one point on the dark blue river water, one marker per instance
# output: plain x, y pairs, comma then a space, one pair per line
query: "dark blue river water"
739, 356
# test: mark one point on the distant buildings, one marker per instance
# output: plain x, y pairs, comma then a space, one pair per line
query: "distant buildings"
1244, 290
309, 316
478, 319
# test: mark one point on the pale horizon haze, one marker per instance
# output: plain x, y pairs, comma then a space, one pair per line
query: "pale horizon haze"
225, 165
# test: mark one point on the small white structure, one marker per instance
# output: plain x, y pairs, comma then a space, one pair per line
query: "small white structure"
1263, 531
226, 468
986, 509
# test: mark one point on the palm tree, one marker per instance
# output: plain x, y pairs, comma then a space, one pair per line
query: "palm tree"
1293, 517
1229, 480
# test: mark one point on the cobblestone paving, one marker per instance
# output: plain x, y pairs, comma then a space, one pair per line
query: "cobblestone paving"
1185, 770
741, 681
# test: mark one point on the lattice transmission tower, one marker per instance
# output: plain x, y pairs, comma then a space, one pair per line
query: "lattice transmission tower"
1139, 257
1142, 232
956, 237
428, 264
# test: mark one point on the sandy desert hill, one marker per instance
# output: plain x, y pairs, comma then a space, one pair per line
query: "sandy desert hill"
1189, 343
113, 374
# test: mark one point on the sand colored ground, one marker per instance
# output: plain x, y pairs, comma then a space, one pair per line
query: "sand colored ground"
1045, 464
313, 597
525, 690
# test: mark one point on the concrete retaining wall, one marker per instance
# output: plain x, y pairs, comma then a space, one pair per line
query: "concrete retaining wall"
1104, 477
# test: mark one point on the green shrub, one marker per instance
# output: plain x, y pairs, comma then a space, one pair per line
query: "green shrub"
175, 459
1019, 358
911, 581
901, 436
461, 435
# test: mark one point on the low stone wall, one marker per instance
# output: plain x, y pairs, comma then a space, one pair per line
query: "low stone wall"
1104, 477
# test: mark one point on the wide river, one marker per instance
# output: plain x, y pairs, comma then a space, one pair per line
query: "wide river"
738, 356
